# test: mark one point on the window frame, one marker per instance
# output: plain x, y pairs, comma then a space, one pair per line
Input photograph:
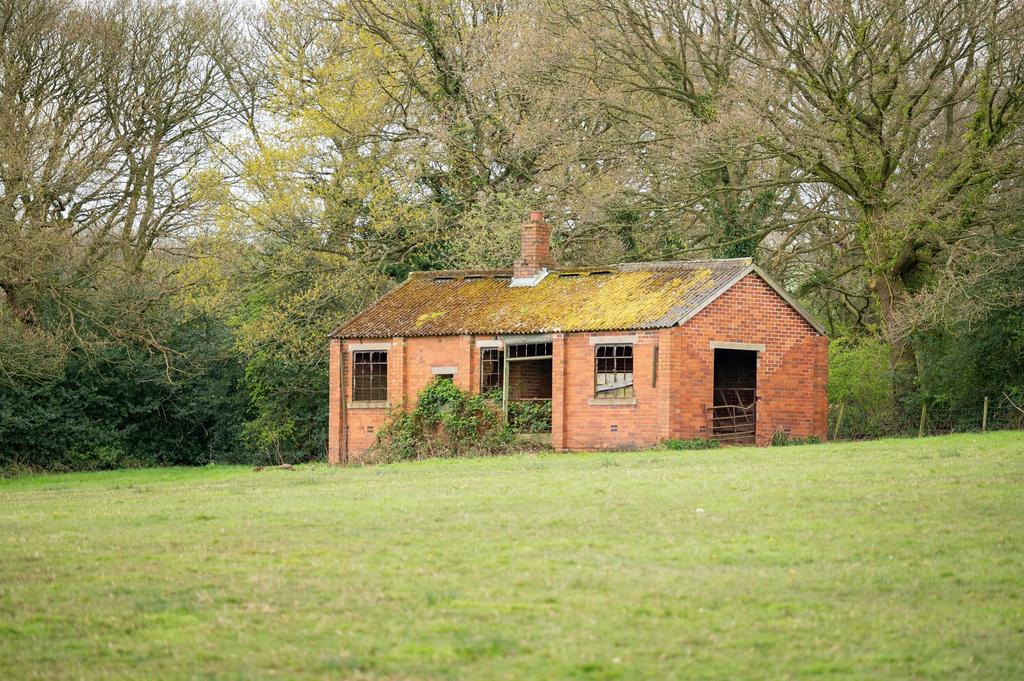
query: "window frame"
499, 362
619, 367
530, 350
369, 385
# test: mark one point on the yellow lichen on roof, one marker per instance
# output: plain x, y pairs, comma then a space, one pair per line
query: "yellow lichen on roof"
622, 300
605, 301
428, 316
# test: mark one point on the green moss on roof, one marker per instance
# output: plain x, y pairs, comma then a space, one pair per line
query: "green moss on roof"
635, 296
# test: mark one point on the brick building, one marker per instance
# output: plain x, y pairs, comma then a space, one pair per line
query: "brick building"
628, 355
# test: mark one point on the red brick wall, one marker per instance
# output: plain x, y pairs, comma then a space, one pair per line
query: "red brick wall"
335, 417
792, 372
587, 422
792, 376
426, 354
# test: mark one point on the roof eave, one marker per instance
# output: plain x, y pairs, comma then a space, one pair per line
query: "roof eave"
776, 286
713, 296
808, 317
339, 332
507, 332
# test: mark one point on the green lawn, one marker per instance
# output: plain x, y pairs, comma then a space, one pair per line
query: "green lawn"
889, 559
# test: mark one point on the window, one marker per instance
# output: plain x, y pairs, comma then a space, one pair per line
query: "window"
613, 371
492, 364
370, 376
528, 350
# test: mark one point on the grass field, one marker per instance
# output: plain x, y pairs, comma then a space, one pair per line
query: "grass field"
889, 559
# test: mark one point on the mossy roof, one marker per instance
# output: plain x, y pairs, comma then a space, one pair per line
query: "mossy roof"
618, 297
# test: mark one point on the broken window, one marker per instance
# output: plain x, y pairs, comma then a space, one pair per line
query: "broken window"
524, 350
492, 361
370, 376
613, 371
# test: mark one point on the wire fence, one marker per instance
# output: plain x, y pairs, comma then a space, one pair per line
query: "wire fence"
856, 422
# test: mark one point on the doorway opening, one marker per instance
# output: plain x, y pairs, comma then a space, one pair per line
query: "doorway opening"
734, 413
527, 387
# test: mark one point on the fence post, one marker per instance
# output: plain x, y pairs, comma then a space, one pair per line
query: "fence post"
984, 415
839, 420
924, 417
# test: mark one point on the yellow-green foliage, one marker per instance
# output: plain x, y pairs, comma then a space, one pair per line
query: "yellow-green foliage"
861, 380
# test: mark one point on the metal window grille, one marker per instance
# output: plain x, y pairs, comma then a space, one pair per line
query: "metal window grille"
613, 371
370, 376
492, 363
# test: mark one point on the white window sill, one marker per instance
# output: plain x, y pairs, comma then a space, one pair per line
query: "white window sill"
380, 404
612, 402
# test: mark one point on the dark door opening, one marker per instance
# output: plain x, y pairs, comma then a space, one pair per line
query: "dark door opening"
734, 414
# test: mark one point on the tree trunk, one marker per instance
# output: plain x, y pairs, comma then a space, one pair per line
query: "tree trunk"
890, 290
24, 313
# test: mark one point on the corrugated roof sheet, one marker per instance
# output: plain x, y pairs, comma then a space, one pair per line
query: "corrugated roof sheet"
628, 296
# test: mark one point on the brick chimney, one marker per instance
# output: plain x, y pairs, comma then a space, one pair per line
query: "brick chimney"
535, 247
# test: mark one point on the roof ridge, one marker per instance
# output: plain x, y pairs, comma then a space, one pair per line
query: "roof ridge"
484, 271
715, 263
695, 261
422, 274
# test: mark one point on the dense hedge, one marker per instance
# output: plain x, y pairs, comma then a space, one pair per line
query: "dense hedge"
125, 408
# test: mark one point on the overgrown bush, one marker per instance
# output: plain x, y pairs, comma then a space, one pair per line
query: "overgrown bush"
781, 439
960, 367
696, 443
860, 379
530, 417
446, 422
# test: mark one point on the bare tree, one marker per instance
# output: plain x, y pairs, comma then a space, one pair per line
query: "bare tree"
910, 110
107, 112
697, 178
